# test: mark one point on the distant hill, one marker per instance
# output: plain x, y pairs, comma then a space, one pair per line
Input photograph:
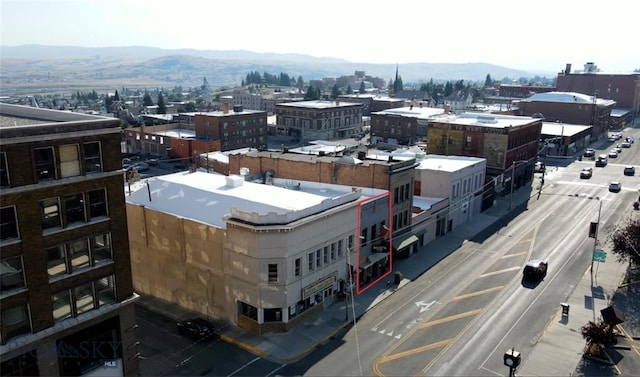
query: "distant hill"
188, 67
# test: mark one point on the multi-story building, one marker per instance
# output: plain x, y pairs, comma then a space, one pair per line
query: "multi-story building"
569, 107
506, 142
235, 129
262, 256
244, 98
67, 297
405, 126
460, 179
391, 175
623, 88
313, 120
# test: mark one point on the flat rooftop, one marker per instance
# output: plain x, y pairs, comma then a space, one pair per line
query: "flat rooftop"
448, 163
209, 198
485, 120
318, 104
415, 112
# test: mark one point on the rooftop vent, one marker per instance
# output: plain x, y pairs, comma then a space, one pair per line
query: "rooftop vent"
234, 181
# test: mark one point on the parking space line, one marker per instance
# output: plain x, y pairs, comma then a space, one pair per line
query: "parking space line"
244, 366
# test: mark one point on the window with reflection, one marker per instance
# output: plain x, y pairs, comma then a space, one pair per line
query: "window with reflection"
50, 212
56, 261
15, 320
74, 208
61, 302
45, 163
92, 157
101, 248
97, 203
69, 160
106, 290
78, 252
12, 273
83, 295
4, 170
8, 223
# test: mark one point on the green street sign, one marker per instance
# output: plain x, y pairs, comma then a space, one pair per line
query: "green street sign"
599, 256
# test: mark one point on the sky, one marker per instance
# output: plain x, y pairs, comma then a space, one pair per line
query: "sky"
542, 35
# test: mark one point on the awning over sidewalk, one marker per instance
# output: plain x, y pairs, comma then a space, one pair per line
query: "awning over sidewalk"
404, 241
612, 315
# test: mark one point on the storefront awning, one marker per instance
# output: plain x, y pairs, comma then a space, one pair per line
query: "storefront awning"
404, 241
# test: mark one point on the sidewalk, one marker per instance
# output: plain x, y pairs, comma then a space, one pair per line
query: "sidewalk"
558, 351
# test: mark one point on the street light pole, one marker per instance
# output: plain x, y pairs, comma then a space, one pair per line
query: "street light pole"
513, 168
349, 289
595, 238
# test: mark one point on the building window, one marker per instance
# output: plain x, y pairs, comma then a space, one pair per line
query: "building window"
318, 258
310, 263
325, 255
4, 171
56, 261
74, 208
272, 270
363, 235
11, 273
101, 248
50, 212
69, 161
15, 321
92, 157
78, 254
25, 364
106, 289
297, 268
248, 311
61, 302
83, 295
340, 251
97, 204
45, 163
8, 224
333, 251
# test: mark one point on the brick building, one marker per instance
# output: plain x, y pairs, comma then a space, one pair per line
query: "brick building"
67, 296
406, 125
569, 107
326, 120
505, 141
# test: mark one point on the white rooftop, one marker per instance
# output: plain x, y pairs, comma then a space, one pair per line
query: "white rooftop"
562, 129
415, 112
486, 120
208, 198
318, 104
566, 97
425, 202
448, 163
175, 133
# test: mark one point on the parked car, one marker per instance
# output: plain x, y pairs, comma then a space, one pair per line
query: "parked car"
615, 186
141, 166
625, 144
629, 170
586, 173
589, 152
618, 148
613, 153
535, 269
196, 328
629, 139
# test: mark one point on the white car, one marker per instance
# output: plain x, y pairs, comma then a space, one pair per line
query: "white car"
613, 153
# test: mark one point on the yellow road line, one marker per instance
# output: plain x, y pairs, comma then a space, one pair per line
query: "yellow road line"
400, 355
500, 271
478, 293
514, 255
449, 318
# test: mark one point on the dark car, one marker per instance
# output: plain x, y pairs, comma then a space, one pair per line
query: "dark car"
629, 170
196, 328
535, 269
589, 152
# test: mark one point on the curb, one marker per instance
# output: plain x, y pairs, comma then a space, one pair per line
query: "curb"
310, 349
248, 347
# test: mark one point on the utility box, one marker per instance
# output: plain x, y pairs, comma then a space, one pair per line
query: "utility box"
565, 309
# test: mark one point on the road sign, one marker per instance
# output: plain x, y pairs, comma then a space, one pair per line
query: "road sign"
599, 256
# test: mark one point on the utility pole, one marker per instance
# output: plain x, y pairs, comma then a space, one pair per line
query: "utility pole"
349, 290
595, 238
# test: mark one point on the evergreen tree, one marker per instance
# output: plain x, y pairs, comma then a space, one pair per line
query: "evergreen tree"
335, 91
448, 89
349, 90
162, 105
362, 88
146, 99
300, 82
116, 97
487, 81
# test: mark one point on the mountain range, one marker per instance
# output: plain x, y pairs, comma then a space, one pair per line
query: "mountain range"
149, 66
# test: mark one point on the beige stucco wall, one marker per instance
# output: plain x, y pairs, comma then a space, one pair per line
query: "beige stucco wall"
177, 260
